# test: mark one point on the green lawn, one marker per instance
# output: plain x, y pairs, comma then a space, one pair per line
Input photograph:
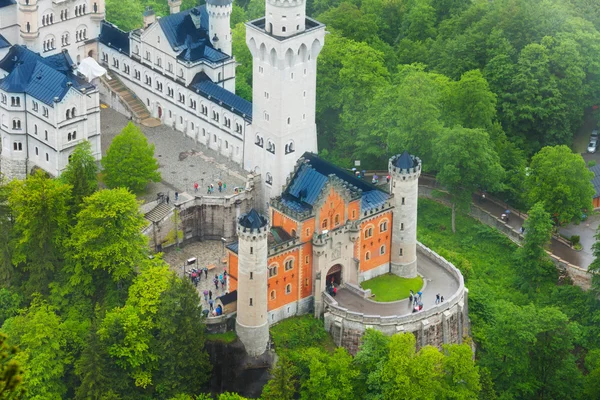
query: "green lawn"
390, 287
227, 337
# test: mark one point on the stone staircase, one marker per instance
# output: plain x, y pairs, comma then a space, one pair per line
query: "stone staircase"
130, 100
159, 212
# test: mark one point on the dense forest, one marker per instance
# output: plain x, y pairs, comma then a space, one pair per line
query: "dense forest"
480, 90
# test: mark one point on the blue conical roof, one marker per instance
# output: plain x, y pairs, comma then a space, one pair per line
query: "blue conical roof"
405, 161
253, 220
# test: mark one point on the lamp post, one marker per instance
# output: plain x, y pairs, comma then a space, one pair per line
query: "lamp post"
223, 240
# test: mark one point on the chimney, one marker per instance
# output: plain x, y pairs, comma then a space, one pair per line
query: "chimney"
195, 14
149, 17
174, 6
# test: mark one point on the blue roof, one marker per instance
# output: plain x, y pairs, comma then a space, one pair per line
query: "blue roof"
5, 3
405, 161
193, 42
42, 78
252, 220
3, 42
312, 176
113, 37
232, 101
233, 247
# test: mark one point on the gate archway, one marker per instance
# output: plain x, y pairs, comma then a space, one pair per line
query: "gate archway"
334, 275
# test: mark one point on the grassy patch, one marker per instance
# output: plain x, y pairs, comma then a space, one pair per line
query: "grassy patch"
390, 287
297, 333
227, 337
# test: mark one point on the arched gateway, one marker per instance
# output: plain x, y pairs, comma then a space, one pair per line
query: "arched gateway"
334, 275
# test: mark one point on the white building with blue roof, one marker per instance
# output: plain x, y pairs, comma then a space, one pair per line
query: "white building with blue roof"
50, 27
45, 111
182, 68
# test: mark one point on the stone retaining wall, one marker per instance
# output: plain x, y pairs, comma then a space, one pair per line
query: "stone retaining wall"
447, 322
579, 276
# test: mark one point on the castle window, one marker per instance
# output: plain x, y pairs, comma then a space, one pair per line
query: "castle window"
324, 224
273, 270
283, 29
306, 282
45, 135
403, 201
307, 232
251, 275
401, 226
68, 114
69, 137
306, 260
297, 27
353, 214
35, 106
383, 226
382, 250
18, 146
273, 295
35, 129
251, 250
400, 252
214, 138
289, 121
251, 301
293, 233
288, 288
266, 116
37, 151
44, 111
259, 141
16, 124
15, 101
368, 232
289, 264
4, 98
271, 147
269, 179
47, 157
367, 256
337, 220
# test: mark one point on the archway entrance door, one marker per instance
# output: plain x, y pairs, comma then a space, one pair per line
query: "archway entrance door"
159, 112
334, 275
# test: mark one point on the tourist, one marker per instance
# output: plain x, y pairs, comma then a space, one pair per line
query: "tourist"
225, 273
210, 294
410, 297
442, 299
224, 186
206, 272
210, 303
437, 298
196, 187
420, 294
208, 189
220, 184
176, 196
205, 295
334, 291
167, 199
216, 282
387, 178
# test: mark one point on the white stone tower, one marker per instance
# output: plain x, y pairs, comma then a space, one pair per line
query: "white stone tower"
284, 46
252, 325
174, 6
28, 19
404, 171
219, 28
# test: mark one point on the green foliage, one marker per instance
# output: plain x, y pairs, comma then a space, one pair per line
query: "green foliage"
227, 337
390, 287
283, 384
11, 375
126, 14
330, 377
42, 340
82, 174
466, 161
243, 71
130, 161
39, 206
300, 332
560, 180
9, 304
533, 262
106, 243
6, 236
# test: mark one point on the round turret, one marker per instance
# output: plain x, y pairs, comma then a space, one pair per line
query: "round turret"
285, 18
251, 324
219, 29
404, 170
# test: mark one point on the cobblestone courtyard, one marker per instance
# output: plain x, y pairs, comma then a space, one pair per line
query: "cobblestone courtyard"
182, 161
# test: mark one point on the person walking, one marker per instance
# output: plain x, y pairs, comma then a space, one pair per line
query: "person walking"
206, 272
196, 187
210, 303
442, 299
220, 184
216, 282
205, 295
210, 294
224, 186
437, 298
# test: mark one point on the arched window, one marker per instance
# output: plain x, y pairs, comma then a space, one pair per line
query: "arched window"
74, 136
69, 137
368, 232
382, 250
289, 264
324, 224
73, 112
269, 178
337, 219
272, 270
383, 227
293, 233
68, 114
273, 295
367, 256
288, 288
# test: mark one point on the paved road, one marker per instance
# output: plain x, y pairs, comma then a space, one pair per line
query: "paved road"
580, 258
438, 281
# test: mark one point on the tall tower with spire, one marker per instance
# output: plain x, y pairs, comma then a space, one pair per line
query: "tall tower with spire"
219, 28
252, 325
404, 170
284, 46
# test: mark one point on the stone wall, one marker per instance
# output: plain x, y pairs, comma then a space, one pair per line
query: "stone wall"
205, 217
447, 322
112, 99
13, 169
579, 276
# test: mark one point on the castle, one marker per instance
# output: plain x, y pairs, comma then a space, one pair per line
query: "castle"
323, 224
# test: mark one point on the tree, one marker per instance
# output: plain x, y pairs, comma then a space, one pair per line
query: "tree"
560, 180
466, 161
472, 101
282, 386
40, 336
331, 377
533, 263
39, 206
243, 71
126, 14
9, 304
81, 174
11, 374
130, 161
6, 235
106, 244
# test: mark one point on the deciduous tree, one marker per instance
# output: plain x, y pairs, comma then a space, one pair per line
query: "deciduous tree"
130, 161
82, 174
11, 374
560, 180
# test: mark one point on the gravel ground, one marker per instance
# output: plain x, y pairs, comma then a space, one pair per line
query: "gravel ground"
182, 161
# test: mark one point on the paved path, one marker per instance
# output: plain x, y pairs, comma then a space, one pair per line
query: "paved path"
182, 161
438, 281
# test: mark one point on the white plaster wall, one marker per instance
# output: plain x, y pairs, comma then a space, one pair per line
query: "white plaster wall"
219, 17
289, 15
